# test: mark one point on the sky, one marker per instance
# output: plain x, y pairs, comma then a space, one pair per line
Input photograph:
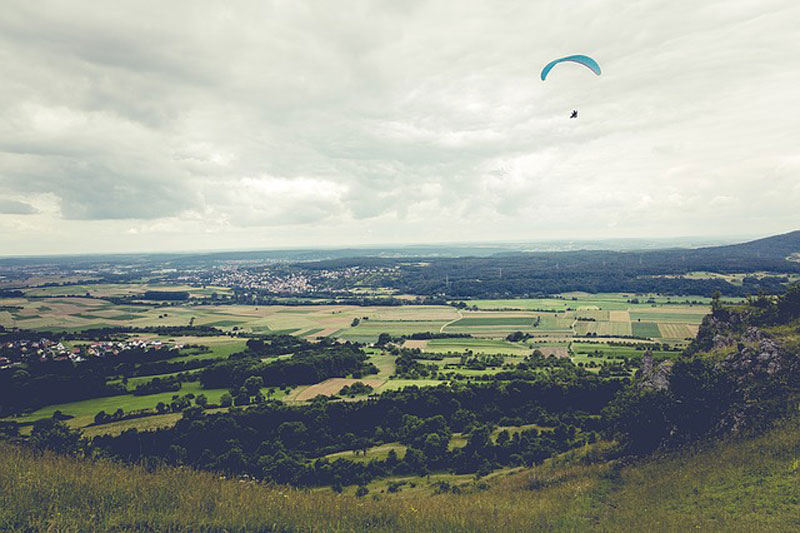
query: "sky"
161, 126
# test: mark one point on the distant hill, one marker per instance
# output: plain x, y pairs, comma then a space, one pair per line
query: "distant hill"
518, 274
777, 246
500, 270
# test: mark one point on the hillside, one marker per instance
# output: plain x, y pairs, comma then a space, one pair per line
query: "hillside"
744, 485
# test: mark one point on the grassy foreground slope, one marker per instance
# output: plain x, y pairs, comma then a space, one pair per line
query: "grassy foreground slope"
744, 485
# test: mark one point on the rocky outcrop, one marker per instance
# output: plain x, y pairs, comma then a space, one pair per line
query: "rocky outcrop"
763, 376
757, 357
652, 376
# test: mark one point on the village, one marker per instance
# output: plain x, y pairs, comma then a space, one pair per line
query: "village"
44, 350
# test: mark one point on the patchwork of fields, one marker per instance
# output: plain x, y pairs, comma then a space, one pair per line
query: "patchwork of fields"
574, 314
587, 328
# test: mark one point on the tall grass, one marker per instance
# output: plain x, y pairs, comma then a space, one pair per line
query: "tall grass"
66, 494
749, 485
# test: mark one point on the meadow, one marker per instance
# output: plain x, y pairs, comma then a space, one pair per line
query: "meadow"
733, 485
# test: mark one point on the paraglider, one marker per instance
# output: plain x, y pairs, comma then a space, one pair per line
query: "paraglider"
586, 61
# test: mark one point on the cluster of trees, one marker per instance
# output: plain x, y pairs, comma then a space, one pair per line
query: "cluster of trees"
38, 384
313, 365
518, 336
356, 389
274, 345
104, 418
166, 295
288, 443
407, 366
157, 385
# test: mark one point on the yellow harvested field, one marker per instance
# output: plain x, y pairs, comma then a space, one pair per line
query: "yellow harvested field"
676, 331
415, 344
558, 351
593, 313
325, 332
332, 386
619, 316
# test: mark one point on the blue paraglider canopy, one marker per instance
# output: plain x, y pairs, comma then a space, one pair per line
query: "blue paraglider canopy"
586, 61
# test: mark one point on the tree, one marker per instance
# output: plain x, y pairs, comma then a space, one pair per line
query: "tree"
201, 400
100, 417
383, 339
415, 462
55, 435
242, 398
638, 419
789, 304
253, 384
503, 437
226, 400
361, 491
161, 407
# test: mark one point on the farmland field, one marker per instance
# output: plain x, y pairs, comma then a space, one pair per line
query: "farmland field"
485, 346
677, 331
613, 314
494, 321
646, 329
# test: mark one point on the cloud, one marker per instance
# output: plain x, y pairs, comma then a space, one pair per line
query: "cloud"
417, 123
13, 207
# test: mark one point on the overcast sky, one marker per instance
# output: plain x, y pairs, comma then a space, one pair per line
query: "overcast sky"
144, 126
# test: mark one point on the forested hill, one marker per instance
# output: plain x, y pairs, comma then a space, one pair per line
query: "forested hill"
521, 274
768, 251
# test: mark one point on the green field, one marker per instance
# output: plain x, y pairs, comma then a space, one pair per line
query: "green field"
580, 348
655, 316
646, 329
494, 321
84, 411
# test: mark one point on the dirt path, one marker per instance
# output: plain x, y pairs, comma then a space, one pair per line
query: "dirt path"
460, 316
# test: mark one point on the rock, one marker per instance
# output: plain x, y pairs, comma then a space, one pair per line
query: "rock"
652, 376
762, 372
